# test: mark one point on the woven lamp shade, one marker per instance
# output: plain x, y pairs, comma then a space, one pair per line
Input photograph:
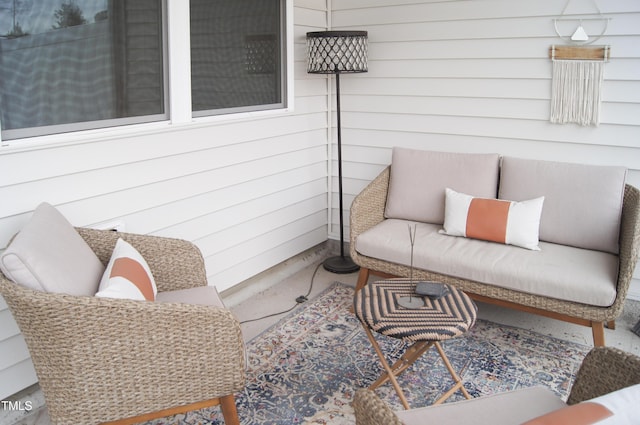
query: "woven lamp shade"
337, 52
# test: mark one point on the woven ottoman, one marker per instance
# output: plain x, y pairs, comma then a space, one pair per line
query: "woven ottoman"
376, 306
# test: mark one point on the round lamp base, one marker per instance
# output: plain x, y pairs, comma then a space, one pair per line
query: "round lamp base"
340, 265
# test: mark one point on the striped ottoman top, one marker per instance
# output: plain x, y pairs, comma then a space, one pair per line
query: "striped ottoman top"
447, 317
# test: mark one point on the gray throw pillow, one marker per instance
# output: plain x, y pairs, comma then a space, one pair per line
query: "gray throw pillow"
49, 255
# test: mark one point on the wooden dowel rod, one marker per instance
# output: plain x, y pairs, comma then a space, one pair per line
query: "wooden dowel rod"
580, 52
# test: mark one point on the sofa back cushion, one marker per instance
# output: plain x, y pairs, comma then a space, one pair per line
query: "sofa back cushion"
583, 203
419, 178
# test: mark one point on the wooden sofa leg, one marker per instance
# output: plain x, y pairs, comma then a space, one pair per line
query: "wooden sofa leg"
363, 277
611, 325
229, 411
597, 329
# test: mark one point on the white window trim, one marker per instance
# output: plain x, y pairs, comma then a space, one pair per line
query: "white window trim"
179, 78
179, 55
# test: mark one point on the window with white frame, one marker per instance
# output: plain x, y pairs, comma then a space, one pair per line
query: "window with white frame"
236, 55
80, 64
71, 65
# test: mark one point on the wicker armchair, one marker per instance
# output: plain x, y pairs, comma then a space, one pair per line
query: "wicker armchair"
101, 359
603, 370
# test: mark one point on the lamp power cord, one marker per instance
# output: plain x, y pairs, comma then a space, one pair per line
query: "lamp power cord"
299, 300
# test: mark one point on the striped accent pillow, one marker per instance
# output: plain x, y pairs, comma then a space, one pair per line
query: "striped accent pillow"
495, 220
586, 413
127, 275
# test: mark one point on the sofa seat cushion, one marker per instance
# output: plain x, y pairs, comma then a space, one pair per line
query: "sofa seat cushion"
515, 407
556, 271
199, 295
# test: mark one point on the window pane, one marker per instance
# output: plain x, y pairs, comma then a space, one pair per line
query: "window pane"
236, 55
79, 64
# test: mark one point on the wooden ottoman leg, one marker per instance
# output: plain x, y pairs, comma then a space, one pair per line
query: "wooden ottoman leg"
458, 382
412, 354
387, 368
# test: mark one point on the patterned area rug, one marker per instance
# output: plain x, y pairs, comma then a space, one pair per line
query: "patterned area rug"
306, 368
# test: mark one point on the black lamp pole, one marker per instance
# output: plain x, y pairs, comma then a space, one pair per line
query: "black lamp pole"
339, 128
342, 264
336, 52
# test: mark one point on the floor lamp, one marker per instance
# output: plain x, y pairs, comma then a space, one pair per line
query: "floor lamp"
338, 52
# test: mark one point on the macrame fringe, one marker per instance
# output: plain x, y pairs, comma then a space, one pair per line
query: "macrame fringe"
575, 93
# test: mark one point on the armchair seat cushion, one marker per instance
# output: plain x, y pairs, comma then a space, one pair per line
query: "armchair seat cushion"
200, 295
515, 407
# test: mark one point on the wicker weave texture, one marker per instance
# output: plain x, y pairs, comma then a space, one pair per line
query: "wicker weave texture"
176, 263
604, 370
370, 410
367, 210
101, 359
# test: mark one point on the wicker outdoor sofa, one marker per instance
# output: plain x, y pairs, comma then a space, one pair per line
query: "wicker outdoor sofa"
603, 371
115, 360
370, 210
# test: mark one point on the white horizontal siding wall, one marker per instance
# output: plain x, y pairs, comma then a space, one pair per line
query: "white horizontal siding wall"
474, 76
250, 193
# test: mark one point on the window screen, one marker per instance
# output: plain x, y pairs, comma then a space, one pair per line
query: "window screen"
236, 55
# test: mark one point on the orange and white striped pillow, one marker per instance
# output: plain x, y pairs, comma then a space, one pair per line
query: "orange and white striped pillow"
585, 413
127, 275
495, 220
615, 408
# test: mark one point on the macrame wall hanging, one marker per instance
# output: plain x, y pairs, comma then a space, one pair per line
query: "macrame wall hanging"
578, 71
